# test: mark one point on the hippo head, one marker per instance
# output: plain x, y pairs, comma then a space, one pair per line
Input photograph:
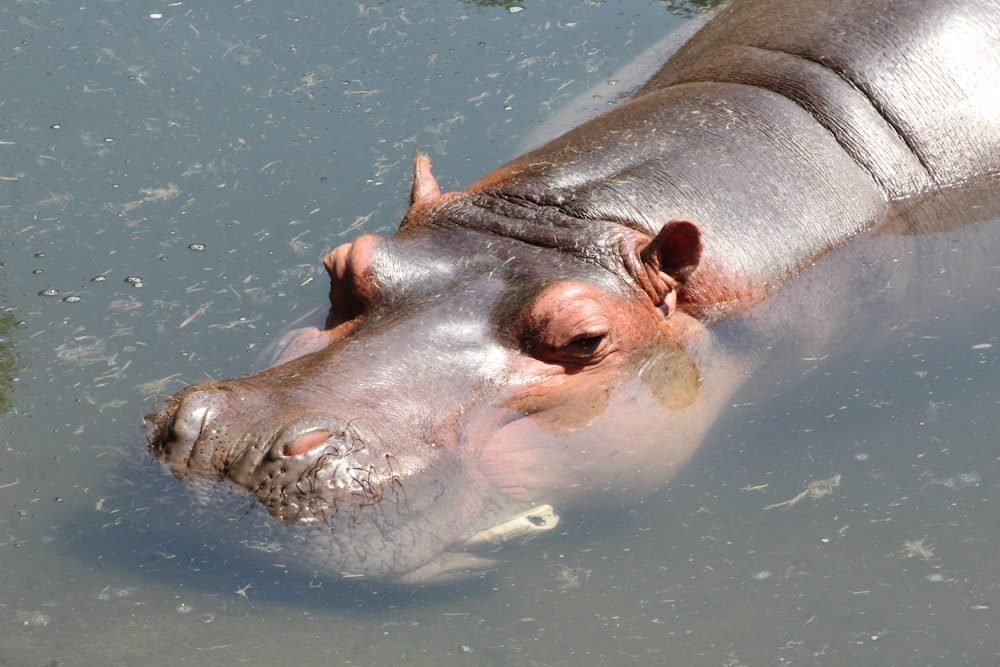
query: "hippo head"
482, 363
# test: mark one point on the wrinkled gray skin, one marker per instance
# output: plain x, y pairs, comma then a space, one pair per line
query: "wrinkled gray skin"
542, 336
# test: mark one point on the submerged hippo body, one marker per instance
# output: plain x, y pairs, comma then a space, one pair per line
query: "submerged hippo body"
542, 336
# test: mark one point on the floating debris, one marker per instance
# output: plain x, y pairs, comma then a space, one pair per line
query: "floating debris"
815, 489
918, 549
959, 481
522, 526
195, 315
571, 577
35, 618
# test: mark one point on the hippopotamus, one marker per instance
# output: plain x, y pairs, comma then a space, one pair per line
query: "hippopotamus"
547, 337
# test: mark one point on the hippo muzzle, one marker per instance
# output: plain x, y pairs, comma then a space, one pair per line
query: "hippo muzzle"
303, 470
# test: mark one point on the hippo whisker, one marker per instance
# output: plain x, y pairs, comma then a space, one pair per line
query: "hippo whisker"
371, 488
306, 486
395, 481
350, 436
374, 483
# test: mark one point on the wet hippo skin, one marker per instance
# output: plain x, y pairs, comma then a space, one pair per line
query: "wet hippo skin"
548, 338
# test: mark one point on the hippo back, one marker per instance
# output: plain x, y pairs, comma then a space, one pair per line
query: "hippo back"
909, 88
783, 131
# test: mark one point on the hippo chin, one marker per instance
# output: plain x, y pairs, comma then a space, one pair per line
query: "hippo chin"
542, 340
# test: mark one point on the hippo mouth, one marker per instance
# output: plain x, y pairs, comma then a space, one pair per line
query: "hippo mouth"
302, 473
312, 467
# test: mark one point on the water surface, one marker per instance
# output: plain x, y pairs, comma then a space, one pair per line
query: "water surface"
171, 175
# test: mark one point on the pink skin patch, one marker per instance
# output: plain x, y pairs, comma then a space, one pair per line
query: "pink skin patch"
306, 442
300, 343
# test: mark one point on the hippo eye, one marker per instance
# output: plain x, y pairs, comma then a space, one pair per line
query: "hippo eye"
587, 347
584, 346
571, 324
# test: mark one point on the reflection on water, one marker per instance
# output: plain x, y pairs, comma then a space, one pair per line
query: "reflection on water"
249, 140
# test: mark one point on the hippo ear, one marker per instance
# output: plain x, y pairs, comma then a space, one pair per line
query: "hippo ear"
425, 187
675, 251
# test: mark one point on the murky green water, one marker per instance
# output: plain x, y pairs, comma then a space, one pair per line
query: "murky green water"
171, 174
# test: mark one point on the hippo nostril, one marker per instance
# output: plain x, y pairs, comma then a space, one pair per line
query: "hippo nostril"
187, 423
194, 411
178, 436
306, 442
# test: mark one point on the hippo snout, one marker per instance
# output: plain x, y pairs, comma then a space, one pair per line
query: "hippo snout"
176, 439
299, 469
184, 434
